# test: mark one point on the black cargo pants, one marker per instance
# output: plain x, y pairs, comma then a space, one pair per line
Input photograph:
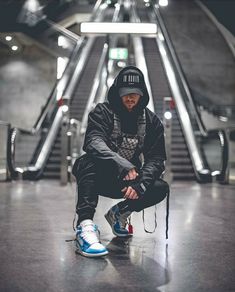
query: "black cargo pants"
95, 177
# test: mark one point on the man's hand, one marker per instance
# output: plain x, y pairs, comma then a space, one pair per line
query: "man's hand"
132, 174
130, 193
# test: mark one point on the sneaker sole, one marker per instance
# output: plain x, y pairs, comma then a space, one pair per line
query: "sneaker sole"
114, 232
90, 255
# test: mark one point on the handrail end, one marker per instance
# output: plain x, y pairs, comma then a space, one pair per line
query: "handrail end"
204, 176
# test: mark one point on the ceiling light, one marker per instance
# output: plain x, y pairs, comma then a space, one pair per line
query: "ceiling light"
163, 2
14, 48
8, 38
117, 28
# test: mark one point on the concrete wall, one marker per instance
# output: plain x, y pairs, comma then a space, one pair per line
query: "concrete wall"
26, 80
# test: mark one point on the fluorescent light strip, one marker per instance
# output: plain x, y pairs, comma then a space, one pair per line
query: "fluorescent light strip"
119, 28
163, 2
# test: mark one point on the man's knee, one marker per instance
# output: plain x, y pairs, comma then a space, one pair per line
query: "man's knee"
161, 189
83, 164
161, 185
86, 167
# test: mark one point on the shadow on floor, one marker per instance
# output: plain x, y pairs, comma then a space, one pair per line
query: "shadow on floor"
126, 268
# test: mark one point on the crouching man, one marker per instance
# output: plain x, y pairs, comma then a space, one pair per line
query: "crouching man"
125, 154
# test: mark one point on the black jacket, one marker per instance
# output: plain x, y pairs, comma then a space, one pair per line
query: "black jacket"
100, 126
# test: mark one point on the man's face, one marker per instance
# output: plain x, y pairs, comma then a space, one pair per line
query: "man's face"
130, 101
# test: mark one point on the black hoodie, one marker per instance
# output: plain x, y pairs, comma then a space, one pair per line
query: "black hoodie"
100, 126
116, 102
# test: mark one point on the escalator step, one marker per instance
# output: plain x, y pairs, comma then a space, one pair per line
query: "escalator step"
51, 175
54, 160
179, 154
178, 140
179, 147
183, 176
182, 168
180, 160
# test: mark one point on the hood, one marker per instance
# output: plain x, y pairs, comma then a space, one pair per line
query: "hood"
129, 76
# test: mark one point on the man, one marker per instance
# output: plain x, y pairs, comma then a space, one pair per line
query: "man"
125, 154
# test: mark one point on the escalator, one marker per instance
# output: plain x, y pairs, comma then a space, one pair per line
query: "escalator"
79, 98
45, 134
181, 164
197, 137
80, 95
186, 164
77, 106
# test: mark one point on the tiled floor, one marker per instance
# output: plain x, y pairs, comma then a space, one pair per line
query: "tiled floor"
36, 219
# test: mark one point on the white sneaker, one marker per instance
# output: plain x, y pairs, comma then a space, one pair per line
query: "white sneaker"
87, 240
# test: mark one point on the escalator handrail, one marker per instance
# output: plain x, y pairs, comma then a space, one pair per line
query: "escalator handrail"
222, 176
61, 83
69, 34
11, 152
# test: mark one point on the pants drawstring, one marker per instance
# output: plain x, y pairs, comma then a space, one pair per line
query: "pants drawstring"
167, 213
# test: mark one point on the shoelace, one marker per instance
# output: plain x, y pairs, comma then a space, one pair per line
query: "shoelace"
89, 234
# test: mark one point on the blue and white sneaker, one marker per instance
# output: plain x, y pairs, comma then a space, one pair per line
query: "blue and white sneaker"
118, 221
87, 240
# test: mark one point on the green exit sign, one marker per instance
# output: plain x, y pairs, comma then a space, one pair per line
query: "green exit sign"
118, 53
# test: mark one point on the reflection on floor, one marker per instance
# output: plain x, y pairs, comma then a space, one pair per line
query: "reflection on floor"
36, 219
